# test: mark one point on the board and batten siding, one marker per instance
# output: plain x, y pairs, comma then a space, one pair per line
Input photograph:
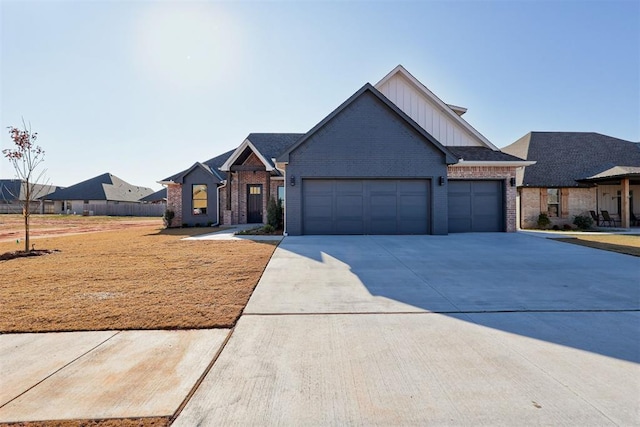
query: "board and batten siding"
426, 113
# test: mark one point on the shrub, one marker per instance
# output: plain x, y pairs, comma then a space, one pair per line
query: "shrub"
197, 224
583, 222
268, 228
209, 223
274, 213
168, 216
567, 227
185, 225
543, 220
556, 227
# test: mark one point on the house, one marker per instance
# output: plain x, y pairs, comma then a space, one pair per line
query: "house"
392, 159
13, 194
159, 197
574, 173
104, 194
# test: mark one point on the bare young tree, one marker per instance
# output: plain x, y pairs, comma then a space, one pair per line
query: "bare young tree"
26, 157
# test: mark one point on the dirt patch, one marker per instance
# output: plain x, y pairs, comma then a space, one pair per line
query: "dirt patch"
132, 278
12, 226
128, 422
628, 244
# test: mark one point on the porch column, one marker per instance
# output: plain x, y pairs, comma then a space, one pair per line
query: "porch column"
624, 206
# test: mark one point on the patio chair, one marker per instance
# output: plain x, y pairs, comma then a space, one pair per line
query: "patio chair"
606, 218
595, 217
634, 219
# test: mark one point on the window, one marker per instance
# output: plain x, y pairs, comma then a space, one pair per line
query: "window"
199, 201
553, 202
255, 189
281, 194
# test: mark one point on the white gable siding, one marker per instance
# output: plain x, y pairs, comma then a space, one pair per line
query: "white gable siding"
426, 113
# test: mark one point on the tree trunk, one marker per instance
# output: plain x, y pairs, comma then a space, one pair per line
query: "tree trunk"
26, 231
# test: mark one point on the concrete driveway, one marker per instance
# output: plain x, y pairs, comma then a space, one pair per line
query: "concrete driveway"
495, 329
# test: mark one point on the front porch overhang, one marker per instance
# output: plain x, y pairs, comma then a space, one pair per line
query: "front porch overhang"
624, 176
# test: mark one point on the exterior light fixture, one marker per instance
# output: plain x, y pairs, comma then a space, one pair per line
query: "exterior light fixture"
441, 180
292, 181
512, 181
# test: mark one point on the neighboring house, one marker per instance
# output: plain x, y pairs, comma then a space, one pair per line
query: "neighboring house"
392, 159
159, 197
104, 194
574, 173
13, 195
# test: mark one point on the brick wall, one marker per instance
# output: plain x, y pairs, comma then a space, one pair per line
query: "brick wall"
574, 201
504, 173
366, 140
239, 193
174, 203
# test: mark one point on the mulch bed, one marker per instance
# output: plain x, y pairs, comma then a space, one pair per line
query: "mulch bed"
22, 254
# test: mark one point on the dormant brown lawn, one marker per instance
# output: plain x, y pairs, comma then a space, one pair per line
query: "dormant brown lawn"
135, 278
625, 244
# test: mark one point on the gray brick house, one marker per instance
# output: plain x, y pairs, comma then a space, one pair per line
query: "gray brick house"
392, 159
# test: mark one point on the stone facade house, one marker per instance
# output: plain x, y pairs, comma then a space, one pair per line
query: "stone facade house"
391, 159
575, 173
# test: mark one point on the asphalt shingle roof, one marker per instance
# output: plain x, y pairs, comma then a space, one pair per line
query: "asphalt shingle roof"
102, 187
12, 189
157, 196
271, 145
562, 158
474, 153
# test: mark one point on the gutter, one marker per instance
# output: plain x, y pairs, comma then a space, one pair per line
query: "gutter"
462, 162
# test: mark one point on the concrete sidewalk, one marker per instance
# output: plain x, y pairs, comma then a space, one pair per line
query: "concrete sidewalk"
107, 374
230, 234
494, 329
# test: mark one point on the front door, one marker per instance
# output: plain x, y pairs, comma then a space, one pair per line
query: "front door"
254, 203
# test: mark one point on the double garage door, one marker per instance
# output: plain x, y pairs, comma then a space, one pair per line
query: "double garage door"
375, 206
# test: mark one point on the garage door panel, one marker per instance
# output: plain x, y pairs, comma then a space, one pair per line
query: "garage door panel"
366, 206
475, 206
459, 206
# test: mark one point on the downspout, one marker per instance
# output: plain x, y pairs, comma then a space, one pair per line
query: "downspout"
218, 202
284, 216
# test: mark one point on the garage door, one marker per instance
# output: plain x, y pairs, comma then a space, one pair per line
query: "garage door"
350, 206
475, 206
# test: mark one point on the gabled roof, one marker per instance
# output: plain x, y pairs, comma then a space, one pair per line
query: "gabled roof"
564, 158
451, 111
212, 164
156, 197
179, 178
102, 187
449, 157
266, 146
14, 189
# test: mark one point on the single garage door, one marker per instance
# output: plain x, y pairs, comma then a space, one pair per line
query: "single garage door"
352, 206
475, 206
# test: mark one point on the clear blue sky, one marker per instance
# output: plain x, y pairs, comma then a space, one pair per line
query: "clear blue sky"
143, 89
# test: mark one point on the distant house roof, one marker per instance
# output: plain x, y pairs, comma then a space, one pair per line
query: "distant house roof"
565, 159
156, 197
102, 187
14, 190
